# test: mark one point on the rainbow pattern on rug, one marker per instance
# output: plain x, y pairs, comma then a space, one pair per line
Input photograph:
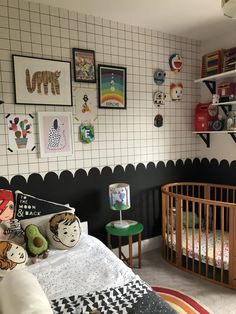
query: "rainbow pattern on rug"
182, 303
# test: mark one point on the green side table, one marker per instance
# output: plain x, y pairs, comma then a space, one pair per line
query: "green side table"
129, 232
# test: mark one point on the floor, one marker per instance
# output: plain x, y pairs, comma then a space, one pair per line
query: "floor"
157, 272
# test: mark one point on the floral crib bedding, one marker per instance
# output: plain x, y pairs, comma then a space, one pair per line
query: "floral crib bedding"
194, 251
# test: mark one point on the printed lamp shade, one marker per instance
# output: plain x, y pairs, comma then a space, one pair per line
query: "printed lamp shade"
119, 195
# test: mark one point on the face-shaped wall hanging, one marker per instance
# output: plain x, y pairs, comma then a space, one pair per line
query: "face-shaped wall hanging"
158, 121
159, 76
159, 98
175, 62
176, 91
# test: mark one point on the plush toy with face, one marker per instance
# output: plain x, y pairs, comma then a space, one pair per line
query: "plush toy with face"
159, 77
6, 205
159, 98
64, 230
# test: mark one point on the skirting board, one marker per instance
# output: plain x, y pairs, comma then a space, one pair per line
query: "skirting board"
147, 245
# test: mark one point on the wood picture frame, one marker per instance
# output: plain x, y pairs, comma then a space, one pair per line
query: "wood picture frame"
39, 81
111, 87
55, 134
84, 65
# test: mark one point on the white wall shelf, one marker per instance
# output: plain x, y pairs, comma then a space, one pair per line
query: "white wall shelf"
210, 82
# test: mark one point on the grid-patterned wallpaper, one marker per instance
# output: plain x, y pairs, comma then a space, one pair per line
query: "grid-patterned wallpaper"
121, 136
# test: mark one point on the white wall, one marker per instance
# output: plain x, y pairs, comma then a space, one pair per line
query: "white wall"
222, 146
121, 136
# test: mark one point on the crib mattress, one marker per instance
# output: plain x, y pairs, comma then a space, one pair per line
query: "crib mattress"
194, 252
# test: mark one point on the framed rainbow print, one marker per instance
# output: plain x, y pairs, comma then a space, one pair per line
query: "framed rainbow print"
111, 87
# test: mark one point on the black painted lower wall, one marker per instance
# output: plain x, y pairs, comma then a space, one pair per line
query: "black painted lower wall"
88, 193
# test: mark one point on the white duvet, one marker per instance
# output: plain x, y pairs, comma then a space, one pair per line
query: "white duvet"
88, 267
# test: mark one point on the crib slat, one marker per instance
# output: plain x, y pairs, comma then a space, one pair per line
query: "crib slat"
179, 226
187, 252
200, 238
214, 241
207, 230
222, 243
193, 236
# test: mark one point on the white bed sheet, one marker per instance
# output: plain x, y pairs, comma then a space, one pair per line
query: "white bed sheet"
90, 266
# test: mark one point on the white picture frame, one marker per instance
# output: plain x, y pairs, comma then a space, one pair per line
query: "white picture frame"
55, 134
40, 81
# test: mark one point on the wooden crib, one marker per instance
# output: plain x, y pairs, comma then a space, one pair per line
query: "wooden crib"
199, 229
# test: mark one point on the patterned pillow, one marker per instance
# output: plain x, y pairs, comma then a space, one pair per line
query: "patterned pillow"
63, 231
28, 206
12, 257
6, 205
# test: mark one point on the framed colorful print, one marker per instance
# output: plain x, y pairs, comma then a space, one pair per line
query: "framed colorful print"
42, 81
111, 87
84, 65
21, 133
55, 134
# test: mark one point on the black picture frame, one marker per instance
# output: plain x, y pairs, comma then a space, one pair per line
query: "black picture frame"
39, 81
84, 65
112, 90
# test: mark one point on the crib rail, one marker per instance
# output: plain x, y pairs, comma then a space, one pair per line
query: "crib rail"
198, 225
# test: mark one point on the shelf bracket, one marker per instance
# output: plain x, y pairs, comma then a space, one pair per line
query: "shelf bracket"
211, 85
233, 135
205, 137
226, 109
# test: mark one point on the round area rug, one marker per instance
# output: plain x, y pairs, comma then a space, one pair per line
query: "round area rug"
182, 303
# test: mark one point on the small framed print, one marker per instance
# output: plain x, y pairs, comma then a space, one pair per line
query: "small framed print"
42, 81
55, 134
84, 65
111, 87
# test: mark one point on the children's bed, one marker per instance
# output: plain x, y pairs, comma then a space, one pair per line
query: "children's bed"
87, 278
198, 229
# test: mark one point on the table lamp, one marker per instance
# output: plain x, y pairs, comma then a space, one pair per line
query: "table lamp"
119, 195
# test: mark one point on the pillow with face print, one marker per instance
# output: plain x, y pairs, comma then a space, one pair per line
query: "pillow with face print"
6, 205
12, 257
63, 230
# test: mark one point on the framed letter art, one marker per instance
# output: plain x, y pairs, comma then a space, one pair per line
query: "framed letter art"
84, 65
42, 81
55, 134
111, 87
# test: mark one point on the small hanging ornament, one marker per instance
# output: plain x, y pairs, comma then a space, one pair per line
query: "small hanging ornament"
87, 133
176, 91
158, 120
175, 62
159, 98
159, 76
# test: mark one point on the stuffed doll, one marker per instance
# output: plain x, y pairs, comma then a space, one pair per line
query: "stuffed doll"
36, 243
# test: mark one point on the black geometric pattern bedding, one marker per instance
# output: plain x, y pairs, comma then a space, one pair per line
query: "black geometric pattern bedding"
136, 297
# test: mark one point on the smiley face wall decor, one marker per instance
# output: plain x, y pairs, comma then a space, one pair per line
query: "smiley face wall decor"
175, 62
159, 76
176, 91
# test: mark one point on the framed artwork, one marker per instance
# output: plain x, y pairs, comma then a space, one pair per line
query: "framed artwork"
21, 133
55, 134
111, 87
86, 105
84, 65
42, 81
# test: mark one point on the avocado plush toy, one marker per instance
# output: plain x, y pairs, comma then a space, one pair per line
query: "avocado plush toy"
36, 244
